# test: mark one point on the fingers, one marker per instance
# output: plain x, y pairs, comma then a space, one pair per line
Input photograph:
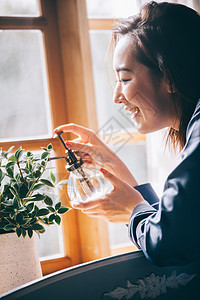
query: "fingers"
91, 208
87, 205
90, 152
78, 146
71, 127
116, 182
87, 135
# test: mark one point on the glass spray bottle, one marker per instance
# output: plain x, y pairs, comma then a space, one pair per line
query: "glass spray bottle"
84, 182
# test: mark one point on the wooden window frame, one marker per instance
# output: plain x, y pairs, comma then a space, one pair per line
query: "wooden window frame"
71, 94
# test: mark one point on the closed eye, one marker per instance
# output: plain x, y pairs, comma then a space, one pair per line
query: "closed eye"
123, 80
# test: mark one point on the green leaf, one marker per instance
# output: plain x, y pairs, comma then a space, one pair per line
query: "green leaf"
23, 232
19, 153
9, 227
62, 182
44, 154
12, 221
37, 174
49, 147
30, 232
10, 149
42, 230
19, 218
45, 149
15, 203
38, 197
12, 214
45, 220
8, 203
42, 212
28, 199
18, 231
13, 192
7, 210
58, 219
26, 221
48, 201
37, 226
22, 208
50, 208
53, 178
47, 182
29, 207
1, 175
13, 180
36, 208
12, 158
30, 167
58, 205
29, 153
2, 225
10, 172
51, 218
30, 184
38, 186
10, 164
63, 210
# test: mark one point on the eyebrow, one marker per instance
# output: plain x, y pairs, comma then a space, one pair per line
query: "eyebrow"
123, 69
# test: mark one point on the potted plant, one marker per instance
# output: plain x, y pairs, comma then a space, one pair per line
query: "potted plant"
25, 207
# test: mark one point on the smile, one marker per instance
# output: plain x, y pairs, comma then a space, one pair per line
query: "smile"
134, 111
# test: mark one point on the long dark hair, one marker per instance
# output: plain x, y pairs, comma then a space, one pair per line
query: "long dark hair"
167, 37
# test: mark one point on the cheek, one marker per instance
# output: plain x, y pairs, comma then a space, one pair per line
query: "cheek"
130, 90
142, 98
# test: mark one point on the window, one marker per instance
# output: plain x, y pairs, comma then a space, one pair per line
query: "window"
39, 93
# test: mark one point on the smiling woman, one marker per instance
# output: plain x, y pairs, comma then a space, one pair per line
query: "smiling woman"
158, 82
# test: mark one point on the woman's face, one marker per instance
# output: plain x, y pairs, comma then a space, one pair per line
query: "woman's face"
147, 99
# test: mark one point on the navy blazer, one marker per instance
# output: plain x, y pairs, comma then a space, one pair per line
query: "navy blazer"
170, 233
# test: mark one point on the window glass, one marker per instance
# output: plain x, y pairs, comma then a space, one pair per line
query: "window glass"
24, 103
104, 81
19, 7
111, 8
120, 8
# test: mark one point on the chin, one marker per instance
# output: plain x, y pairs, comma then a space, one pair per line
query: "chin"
143, 130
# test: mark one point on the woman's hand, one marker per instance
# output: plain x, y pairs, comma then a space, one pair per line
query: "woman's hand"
115, 206
93, 151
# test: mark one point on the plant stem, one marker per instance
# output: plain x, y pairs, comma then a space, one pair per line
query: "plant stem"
20, 171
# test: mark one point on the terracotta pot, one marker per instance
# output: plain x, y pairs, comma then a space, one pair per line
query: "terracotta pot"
19, 261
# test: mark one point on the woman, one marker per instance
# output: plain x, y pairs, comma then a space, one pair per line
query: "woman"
157, 66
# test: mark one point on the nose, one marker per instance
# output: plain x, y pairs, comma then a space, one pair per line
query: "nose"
117, 95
